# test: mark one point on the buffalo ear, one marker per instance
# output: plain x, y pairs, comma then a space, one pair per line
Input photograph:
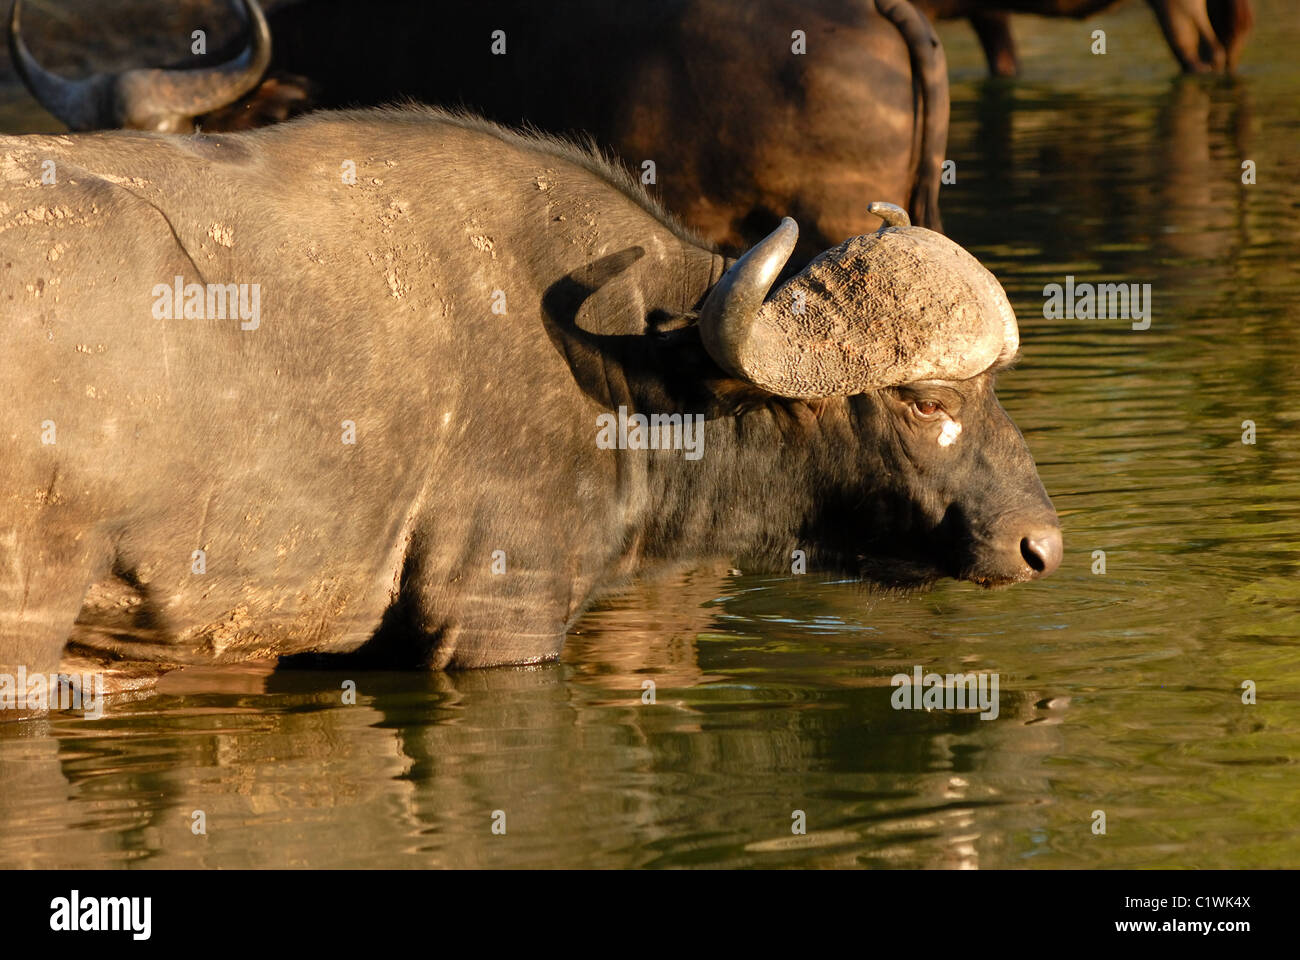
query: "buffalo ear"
618, 346
674, 342
725, 394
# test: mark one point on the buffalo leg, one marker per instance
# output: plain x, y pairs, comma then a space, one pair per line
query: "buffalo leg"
459, 608
1232, 20
1187, 29
44, 575
994, 31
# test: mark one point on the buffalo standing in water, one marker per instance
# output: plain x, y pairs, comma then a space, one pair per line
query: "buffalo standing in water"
747, 110
1204, 35
396, 449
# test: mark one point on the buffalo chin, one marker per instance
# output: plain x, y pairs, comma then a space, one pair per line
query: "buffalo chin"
900, 576
893, 575
993, 581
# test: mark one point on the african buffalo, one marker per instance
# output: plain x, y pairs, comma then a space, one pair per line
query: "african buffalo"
376, 381
743, 110
1204, 35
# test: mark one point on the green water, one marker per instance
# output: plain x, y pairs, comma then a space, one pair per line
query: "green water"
1120, 691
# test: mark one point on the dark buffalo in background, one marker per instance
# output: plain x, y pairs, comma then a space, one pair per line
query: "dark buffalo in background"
1204, 35
97, 93
740, 128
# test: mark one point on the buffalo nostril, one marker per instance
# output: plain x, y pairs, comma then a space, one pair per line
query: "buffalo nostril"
1042, 551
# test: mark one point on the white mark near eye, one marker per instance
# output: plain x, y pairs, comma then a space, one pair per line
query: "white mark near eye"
948, 435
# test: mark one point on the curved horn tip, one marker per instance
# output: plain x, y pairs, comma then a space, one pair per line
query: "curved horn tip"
762, 262
784, 234
15, 30
178, 96
731, 308
788, 232
891, 213
777, 248
74, 103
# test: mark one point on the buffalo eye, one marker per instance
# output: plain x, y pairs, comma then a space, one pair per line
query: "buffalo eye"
928, 409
